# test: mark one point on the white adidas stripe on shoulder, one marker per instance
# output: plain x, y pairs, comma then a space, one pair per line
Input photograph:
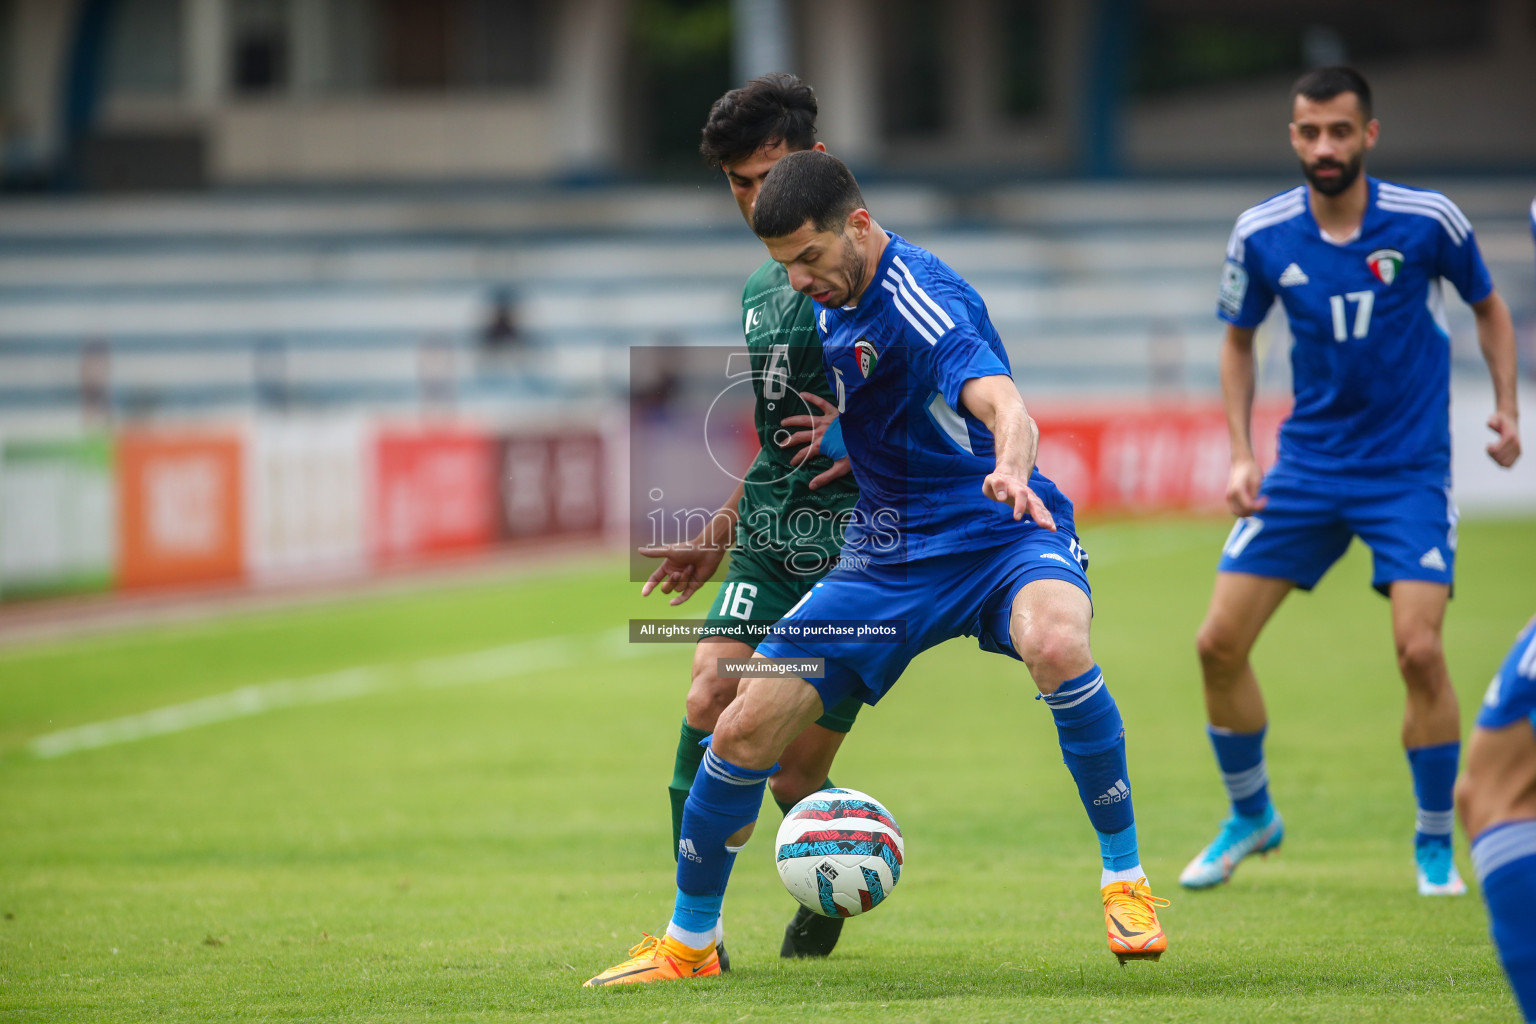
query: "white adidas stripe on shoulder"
1273, 203
1452, 229
1437, 199
1275, 216
923, 310
1268, 213
922, 295
1533, 211
1426, 204
1432, 200
901, 308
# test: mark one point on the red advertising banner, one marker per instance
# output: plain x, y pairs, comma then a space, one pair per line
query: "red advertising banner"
435, 492
551, 486
1147, 457
180, 501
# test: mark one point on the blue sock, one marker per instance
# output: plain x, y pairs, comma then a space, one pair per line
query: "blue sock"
697, 915
1434, 783
1093, 746
1119, 850
723, 800
1240, 756
1505, 858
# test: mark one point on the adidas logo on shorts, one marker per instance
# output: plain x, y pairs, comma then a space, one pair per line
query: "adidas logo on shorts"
1433, 559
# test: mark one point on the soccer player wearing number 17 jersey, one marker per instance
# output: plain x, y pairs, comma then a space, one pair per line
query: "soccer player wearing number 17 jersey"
1357, 263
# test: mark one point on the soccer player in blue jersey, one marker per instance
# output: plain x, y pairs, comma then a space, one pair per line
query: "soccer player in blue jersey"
1357, 263
1497, 801
955, 533
747, 131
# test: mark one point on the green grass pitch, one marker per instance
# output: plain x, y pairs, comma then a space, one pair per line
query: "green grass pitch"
449, 805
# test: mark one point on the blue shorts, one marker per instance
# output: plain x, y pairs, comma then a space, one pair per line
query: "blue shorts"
1512, 694
962, 594
1409, 523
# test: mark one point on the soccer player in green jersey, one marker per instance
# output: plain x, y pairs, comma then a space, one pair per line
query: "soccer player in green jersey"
784, 516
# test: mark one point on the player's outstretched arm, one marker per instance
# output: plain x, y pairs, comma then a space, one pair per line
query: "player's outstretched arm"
1496, 337
688, 566
1238, 375
995, 401
816, 429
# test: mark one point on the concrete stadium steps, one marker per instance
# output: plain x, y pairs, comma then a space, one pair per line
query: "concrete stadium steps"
482, 211
1080, 205
1091, 286
293, 263
473, 211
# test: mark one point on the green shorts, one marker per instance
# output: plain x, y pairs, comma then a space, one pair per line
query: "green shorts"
752, 594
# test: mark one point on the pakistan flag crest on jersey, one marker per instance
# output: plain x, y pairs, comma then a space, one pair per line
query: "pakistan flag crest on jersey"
1385, 263
868, 357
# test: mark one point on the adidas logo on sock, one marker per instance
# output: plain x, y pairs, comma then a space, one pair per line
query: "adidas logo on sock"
1119, 791
1293, 276
1433, 559
687, 852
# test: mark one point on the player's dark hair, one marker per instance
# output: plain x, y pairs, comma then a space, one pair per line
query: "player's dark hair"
1322, 84
807, 186
777, 107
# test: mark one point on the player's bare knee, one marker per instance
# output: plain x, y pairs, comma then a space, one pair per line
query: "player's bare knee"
1053, 650
1468, 807
703, 711
745, 734
1221, 653
790, 784
734, 736
708, 694
1479, 803
1421, 658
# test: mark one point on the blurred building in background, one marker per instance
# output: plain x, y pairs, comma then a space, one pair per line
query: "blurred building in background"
320, 286
120, 93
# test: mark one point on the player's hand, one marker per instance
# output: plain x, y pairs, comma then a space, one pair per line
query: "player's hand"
684, 568
842, 467
815, 426
1012, 490
1243, 496
1506, 449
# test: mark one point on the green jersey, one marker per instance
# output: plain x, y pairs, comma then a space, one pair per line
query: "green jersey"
782, 519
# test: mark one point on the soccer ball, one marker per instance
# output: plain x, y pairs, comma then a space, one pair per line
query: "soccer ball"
839, 852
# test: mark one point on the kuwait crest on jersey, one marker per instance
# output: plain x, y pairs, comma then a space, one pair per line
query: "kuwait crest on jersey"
1385, 263
868, 357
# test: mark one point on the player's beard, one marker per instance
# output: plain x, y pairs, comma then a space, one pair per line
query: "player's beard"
1336, 186
852, 267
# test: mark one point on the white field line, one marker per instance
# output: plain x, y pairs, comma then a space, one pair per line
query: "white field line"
482, 666
328, 687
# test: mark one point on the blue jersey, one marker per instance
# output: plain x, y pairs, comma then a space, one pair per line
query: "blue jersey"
1512, 694
1371, 360
897, 362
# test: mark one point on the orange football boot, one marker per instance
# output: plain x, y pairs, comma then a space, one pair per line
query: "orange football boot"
1130, 914
660, 959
